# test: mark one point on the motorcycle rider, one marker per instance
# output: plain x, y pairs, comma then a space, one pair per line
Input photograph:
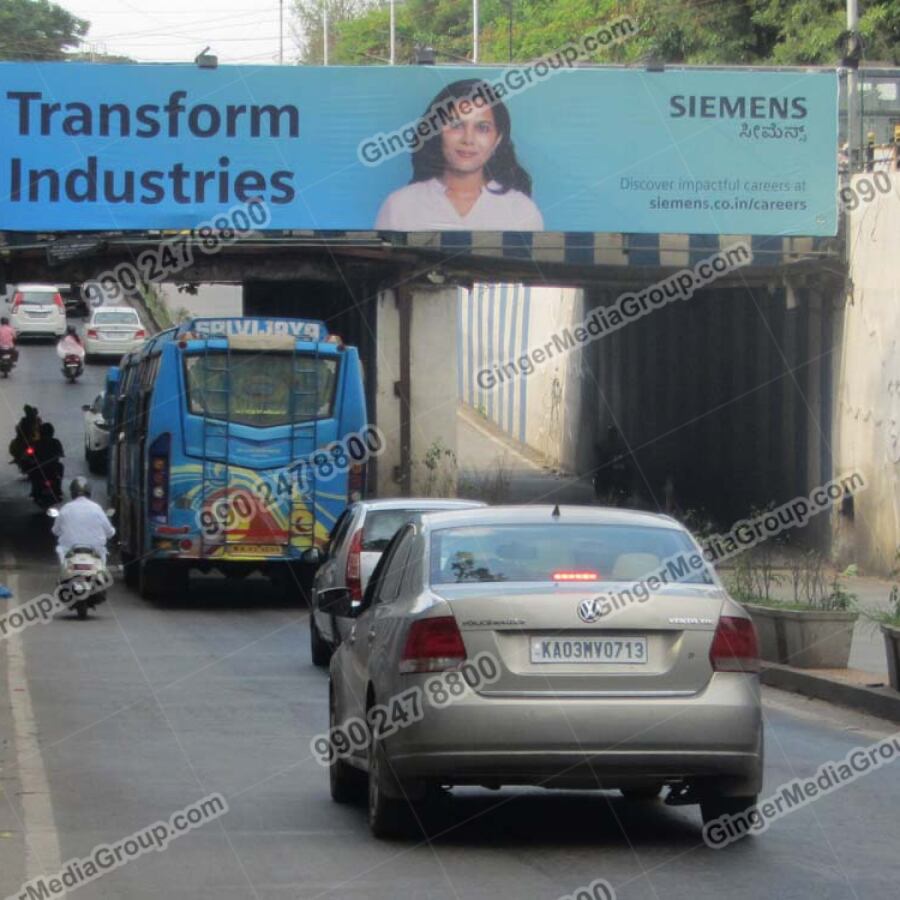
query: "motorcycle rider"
70, 344
27, 435
8, 338
81, 523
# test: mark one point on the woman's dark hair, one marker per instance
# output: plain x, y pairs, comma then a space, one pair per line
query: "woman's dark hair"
503, 167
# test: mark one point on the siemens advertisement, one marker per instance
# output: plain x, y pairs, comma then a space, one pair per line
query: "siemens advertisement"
535, 147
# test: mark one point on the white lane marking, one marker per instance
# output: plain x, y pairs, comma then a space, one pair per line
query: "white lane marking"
42, 854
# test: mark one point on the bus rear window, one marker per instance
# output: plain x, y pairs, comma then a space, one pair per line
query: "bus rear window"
260, 390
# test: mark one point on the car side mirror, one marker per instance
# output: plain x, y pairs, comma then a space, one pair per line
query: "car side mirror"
338, 602
312, 556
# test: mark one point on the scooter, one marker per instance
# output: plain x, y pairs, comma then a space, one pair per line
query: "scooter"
83, 577
7, 362
72, 367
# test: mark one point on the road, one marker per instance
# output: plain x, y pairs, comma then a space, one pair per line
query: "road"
109, 725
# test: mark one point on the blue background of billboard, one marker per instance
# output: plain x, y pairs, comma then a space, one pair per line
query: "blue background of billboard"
577, 133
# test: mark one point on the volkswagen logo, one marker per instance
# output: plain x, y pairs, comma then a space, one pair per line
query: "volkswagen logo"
592, 609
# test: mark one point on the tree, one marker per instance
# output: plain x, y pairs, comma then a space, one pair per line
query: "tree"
737, 32
38, 29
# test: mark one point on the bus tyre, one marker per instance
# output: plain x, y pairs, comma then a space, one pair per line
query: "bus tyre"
130, 570
152, 580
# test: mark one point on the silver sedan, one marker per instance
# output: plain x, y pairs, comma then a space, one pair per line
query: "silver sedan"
563, 647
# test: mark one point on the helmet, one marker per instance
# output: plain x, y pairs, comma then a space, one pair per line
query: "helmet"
80, 487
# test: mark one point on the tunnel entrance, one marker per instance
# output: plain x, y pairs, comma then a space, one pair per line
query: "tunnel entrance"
724, 402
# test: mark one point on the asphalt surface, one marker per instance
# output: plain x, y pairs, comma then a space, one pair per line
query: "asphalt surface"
109, 725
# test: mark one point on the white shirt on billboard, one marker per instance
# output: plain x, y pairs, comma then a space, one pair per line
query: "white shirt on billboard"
425, 206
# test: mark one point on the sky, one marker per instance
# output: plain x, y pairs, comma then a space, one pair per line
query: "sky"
176, 31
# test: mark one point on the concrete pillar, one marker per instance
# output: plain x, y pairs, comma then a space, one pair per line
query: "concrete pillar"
416, 340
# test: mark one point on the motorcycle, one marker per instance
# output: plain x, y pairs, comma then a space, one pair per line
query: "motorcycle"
83, 577
45, 491
7, 362
72, 367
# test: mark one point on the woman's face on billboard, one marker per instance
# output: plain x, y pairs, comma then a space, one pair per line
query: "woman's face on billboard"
470, 141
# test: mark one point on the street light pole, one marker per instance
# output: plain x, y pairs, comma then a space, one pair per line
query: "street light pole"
280, 32
510, 28
852, 82
393, 35
475, 31
325, 33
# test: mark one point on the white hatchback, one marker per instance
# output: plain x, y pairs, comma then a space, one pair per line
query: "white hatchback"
37, 309
113, 331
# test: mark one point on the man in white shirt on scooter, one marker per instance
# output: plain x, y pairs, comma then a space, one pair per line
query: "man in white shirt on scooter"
82, 523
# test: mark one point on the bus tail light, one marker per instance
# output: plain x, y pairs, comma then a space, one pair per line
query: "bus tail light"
356, 483
352, 579
158, 478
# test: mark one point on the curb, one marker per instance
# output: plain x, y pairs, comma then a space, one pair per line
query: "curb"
877, 701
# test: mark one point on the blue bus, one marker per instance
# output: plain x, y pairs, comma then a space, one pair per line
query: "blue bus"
235, 447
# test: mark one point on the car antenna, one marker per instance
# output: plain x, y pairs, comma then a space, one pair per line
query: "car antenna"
555, 512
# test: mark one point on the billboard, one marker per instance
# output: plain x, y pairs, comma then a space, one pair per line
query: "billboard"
419, 148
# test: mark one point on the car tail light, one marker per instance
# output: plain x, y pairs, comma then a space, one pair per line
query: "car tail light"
158, 479
92, 333
58, 300
734, 646
29, 451
576, 576
433, 645
352, 579
140, 333
356, 482
17, 300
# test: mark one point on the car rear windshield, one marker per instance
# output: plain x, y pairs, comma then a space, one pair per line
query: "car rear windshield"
540, 552
40, 297
382, 524
116, 318
261, 390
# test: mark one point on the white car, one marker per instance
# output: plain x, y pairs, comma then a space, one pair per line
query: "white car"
113, 331
96, 432
354, 547
37, 309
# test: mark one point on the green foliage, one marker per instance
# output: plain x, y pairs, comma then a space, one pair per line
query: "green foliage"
689, 31
38, 30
